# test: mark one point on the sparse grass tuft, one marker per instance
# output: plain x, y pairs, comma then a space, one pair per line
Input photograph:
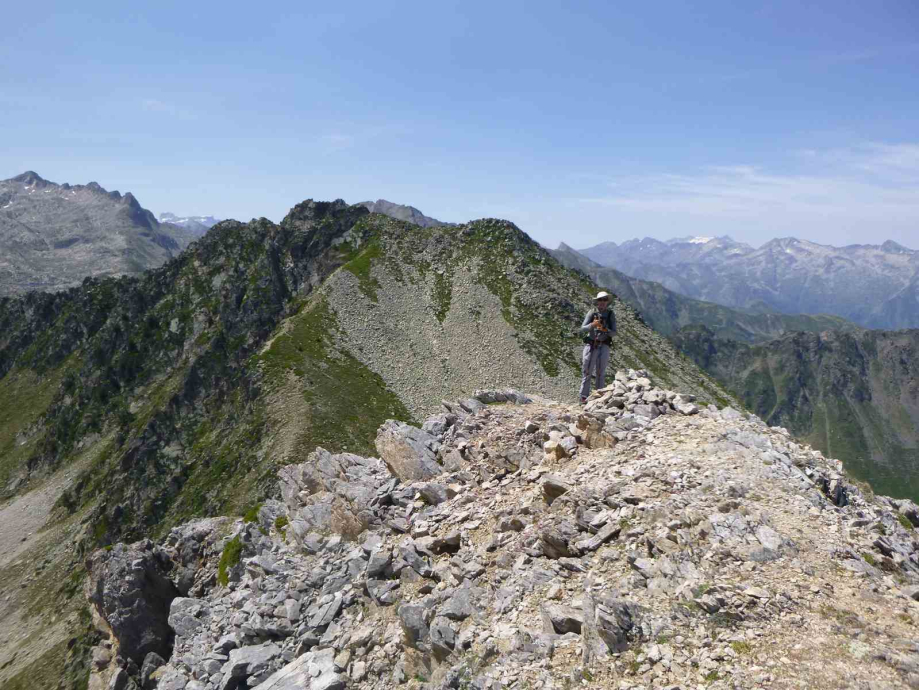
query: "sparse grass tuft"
903, 520
251, 515
228, 560
741, 647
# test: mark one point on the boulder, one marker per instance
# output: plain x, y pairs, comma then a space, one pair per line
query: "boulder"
246, 662
443, 637
561, 619
409, 452
313, 670
617, 623
132, 592
337, 494
414, 626
555, 539
460, 605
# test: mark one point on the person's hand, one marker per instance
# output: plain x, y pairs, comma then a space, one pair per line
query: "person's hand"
596, 323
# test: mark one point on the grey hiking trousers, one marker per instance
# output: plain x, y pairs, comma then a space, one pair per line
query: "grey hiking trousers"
593, 362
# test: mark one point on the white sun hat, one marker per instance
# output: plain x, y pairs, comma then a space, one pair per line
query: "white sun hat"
601, 295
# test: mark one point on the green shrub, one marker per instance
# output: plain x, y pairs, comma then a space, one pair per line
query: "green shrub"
741, 647
251, 515
229, 559
905, 521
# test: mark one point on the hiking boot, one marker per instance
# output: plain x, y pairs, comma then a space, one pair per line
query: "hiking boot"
583, 401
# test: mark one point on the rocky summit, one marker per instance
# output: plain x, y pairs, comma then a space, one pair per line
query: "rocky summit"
640, 541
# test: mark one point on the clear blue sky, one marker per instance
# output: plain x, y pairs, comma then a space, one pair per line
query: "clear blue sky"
604, 121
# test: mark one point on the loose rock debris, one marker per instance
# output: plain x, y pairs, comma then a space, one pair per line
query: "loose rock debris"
637, 542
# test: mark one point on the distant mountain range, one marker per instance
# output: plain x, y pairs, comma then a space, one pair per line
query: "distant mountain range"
52, 236
197, 224
667, 311
876, 286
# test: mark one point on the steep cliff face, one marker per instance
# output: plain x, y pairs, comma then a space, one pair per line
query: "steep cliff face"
53, 236
854, 395
133, 404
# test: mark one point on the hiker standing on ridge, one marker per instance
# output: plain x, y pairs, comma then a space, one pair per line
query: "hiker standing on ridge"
598, 329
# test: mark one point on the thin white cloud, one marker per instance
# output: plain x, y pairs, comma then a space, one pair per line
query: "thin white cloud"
873, 181
161, 107
338, 141
158, 106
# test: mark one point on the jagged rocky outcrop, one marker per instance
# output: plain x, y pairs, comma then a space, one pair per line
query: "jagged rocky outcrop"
52, 236
133, 593
668, 546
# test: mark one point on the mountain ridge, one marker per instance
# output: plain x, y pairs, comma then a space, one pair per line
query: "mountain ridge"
176, 394
555, 546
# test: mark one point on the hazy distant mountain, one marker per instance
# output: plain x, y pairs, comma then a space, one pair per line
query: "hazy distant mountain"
667, 311
402, 212
52, 236
876, 286
195, 224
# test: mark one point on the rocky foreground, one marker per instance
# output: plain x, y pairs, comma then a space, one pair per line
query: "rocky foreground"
638, 542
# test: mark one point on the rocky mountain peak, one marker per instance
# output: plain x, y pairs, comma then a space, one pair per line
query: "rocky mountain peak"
512, 541
311, 211
30, 178
53, 236
895, 248
409, 214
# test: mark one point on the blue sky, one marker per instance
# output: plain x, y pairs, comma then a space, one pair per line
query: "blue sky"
603, 121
